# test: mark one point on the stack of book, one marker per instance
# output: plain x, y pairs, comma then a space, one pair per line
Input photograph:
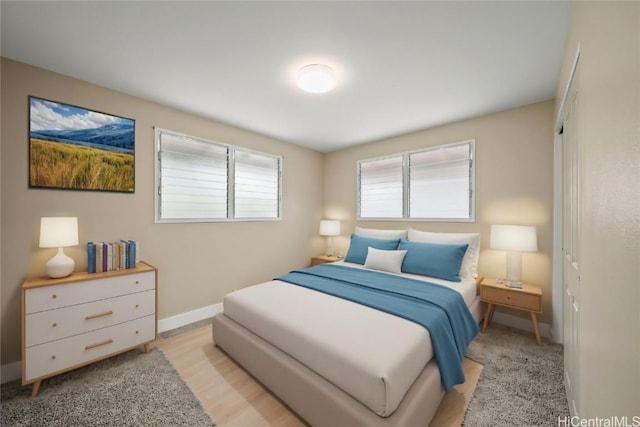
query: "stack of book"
107, 256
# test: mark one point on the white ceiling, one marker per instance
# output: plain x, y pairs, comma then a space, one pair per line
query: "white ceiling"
402, 66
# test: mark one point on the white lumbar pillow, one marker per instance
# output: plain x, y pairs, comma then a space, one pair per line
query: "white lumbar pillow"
378, 259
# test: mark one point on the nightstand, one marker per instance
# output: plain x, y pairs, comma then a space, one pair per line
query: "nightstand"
322, 259
529, 298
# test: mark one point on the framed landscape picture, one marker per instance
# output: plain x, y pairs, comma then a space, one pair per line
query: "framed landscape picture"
79, 149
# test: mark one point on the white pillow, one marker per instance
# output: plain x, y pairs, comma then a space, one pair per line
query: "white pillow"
469, 266
381, 234
378, 259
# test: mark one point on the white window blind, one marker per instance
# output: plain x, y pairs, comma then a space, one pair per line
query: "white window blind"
439, 183
199, 181
381, 188
193, 181
257, 178
433, 184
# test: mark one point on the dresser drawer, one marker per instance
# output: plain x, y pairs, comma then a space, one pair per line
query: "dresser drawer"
511, 298
51, 325
57, 356
64, 295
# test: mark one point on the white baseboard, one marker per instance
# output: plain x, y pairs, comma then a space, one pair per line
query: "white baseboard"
13, 371
521, 323
10, 372
192, 316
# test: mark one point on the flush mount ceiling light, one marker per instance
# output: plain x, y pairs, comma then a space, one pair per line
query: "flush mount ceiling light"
316, 78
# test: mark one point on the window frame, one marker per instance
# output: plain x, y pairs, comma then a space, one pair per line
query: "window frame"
231, 150
406, 184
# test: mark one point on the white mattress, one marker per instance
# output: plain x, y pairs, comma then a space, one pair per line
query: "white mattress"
371, 355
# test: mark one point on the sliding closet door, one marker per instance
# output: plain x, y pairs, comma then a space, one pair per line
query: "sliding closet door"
570, 244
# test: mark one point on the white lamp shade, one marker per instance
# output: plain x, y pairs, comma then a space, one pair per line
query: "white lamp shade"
329, 227
518, 238
316, 78
58, 232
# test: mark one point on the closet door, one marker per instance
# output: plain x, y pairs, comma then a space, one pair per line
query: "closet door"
570, 244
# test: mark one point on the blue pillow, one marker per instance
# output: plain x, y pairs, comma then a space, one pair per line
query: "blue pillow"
359, 247
433, 259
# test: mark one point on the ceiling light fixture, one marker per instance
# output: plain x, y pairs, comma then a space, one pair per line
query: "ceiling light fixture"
316, 78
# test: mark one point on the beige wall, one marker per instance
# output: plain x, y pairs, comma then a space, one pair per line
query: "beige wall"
198, 263
608, 34
514, 184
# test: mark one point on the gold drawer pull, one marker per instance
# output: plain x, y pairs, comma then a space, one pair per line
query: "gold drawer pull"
54, 324
137, 282
137, 305
94, 316
54, 296
53, 357
105, 342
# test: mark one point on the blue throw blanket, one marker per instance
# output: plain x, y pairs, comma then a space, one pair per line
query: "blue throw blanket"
440, 310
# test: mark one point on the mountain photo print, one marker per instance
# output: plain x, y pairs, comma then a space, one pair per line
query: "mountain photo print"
78, 149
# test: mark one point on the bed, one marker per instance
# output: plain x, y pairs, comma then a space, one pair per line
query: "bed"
336, 361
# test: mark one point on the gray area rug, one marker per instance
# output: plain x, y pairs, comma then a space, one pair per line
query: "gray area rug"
132, 389
521, 383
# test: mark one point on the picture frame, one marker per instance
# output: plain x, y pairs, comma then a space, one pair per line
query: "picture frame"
75, 148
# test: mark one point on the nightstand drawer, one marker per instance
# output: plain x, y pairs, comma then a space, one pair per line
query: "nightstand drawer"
511, 298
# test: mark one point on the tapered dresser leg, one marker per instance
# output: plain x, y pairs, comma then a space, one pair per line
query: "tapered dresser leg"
36, 388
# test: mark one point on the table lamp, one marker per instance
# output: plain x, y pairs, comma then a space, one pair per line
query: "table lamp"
58, 232
514, 239
329, 228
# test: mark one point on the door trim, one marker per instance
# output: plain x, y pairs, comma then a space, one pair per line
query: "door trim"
558, 126
557, 324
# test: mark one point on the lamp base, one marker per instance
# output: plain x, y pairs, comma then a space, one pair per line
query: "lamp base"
60, 265
329, 246
514, 267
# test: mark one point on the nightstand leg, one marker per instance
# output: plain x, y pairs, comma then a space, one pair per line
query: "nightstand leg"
36, 388
487, 317
536, 330
146, 348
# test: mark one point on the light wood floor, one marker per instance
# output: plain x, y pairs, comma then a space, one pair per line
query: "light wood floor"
234, 398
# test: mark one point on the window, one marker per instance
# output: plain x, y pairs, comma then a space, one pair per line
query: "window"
440, 183
201, 181
381, 188
435, 184
257, 178
192, 178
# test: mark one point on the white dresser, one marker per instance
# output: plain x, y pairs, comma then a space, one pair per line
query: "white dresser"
71, 322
